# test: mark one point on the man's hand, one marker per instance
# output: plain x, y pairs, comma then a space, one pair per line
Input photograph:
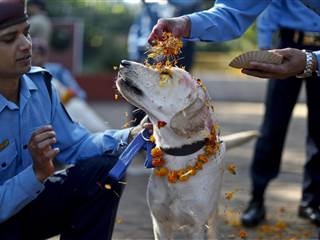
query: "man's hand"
137, 129
42, 152
178, 26
294, 62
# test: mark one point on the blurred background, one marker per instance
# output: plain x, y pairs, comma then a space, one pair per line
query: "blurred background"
90, 37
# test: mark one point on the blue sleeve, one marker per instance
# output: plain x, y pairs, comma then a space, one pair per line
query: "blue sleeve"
267, 24
77, 143
184, 3
17, 192
228, 19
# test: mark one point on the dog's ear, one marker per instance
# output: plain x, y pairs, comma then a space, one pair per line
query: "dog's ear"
191, 119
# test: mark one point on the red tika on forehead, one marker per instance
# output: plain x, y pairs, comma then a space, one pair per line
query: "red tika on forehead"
12, 12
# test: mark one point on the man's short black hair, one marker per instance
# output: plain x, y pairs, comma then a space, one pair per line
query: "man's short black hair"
40, 3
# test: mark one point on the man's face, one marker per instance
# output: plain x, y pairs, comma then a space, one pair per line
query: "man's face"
15, 50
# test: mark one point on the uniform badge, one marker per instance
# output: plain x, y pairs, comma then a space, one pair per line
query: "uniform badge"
4, 144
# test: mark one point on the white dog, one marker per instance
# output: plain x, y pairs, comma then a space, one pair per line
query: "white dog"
173, 96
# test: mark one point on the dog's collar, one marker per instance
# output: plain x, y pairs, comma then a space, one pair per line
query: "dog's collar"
185, 149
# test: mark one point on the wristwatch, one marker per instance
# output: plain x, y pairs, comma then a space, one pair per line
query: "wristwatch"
308, 68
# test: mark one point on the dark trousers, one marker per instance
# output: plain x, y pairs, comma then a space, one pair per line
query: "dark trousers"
281, 98
75, 205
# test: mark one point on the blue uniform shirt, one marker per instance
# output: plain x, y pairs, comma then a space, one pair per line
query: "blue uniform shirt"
229, 19
292, 14
18, 183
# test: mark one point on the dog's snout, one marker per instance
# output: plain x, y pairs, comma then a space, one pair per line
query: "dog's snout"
125, 63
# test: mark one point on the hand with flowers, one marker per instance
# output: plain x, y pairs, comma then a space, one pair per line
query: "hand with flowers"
178, 26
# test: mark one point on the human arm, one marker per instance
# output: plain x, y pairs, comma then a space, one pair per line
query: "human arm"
25, 186
267, 24
294, 62
17, 192
227, 20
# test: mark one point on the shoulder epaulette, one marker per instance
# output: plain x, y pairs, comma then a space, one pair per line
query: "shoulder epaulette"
46, 76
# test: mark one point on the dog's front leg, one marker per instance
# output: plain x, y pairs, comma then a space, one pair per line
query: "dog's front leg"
161, 231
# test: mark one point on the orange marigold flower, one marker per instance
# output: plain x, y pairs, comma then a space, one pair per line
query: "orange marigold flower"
281, 225
172, 176
229, 195
161, 172
191, 171
199, 82
209, 150
156, 152
232, 168
214, 130
198, 165
158, 162
202, 158
183, 178
181, 172
243, 234
161, 124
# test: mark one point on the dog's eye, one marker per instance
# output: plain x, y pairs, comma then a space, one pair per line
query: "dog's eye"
166, 73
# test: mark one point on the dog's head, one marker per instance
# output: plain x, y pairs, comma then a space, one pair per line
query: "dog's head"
169, 95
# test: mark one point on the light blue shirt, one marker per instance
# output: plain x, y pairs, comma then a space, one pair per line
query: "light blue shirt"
229, 19
18, 183
292, 14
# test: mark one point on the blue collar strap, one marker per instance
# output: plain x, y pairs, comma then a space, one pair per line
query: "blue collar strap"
141, 141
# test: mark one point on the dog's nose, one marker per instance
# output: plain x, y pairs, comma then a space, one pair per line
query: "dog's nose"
125, 63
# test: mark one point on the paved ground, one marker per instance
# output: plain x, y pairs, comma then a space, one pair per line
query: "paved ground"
133, 221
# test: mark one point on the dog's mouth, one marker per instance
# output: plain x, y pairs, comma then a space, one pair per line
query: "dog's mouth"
127, 84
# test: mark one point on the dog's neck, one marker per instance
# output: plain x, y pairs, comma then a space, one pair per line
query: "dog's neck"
186, 149
167, 138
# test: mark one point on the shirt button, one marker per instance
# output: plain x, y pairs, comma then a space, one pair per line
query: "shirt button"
25, 146
4, 165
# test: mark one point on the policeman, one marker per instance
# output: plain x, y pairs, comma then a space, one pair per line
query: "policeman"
35, 129
297, 30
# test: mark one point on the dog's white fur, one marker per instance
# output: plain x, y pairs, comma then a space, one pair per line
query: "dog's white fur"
184, 207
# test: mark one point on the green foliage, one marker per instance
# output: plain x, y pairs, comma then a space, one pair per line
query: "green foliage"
107, 24
105, 32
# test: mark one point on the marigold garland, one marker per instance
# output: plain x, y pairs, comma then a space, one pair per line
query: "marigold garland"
212, 146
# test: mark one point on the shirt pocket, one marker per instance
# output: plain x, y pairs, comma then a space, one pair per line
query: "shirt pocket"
8, 154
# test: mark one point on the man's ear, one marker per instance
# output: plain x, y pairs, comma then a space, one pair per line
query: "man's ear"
191, 119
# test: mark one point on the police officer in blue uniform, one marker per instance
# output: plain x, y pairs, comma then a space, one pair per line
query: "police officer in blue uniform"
229, 19
35, 203
295, 24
